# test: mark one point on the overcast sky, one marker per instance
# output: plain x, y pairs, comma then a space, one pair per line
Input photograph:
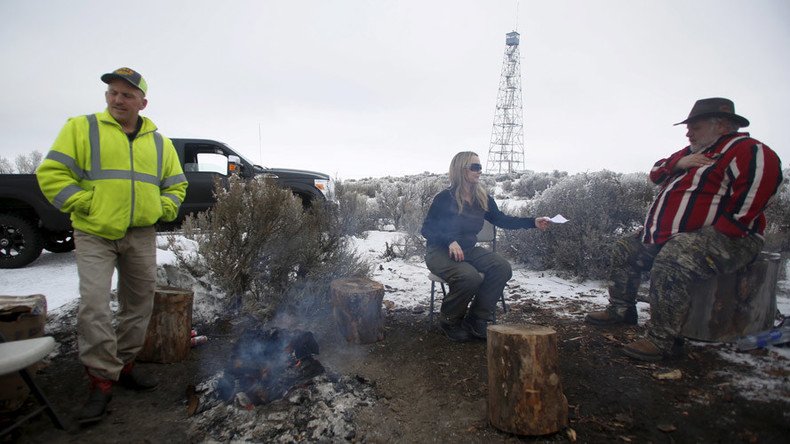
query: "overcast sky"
373, 88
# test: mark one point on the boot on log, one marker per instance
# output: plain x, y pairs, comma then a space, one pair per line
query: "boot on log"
524, 391
167, 338
356, 304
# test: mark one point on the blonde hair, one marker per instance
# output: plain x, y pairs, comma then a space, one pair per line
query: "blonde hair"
458, 167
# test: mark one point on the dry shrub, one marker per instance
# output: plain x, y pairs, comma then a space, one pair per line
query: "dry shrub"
601, 207
417, 198
356, 213
777, 233
258, 241
531, 184
27, 163
391, 204
5, 166
414, 201
366, 187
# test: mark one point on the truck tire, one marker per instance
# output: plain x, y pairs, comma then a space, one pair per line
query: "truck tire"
20, 242
59, 242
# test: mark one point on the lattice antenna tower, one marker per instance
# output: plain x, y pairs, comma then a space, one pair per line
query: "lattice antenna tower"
506, 152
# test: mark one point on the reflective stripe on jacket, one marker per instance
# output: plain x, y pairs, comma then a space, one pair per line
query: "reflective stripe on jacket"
108, 183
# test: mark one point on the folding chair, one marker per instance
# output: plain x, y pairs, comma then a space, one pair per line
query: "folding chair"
16, 356
486, 234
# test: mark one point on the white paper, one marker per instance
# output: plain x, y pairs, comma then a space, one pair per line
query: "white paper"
559, 219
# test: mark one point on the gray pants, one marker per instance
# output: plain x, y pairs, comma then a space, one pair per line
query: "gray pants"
465, 282
686, 258
102, 349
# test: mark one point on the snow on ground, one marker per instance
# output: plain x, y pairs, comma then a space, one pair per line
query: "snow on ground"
757, 376
765, 377
407, 285
55, 276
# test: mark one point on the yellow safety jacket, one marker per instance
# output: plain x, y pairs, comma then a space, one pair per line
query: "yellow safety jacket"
108, 183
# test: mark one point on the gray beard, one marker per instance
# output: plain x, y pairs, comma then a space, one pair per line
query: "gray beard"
701, 148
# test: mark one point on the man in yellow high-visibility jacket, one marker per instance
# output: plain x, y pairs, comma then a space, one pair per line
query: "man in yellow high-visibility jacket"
117, 177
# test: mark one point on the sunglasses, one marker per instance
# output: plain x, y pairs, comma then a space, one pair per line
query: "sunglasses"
476, 167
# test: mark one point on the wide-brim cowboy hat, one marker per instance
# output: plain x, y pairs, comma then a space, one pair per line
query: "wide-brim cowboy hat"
715, 107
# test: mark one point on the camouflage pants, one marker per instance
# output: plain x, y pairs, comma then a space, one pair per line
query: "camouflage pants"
684, 259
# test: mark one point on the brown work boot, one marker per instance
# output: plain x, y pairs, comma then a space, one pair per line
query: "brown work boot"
644, 350
134, 379
96, 406
613, 316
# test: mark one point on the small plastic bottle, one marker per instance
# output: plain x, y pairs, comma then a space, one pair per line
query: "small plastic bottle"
760, 340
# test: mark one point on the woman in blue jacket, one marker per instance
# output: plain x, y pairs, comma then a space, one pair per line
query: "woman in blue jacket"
450, 229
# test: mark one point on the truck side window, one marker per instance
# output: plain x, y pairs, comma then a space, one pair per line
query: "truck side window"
212, 163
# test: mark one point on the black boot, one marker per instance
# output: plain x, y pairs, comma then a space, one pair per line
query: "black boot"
132, 378
477, 327
455, 331
96, 406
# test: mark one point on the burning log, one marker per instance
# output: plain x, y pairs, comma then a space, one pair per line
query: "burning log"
524, 391
356, 304
168, 335
266, 364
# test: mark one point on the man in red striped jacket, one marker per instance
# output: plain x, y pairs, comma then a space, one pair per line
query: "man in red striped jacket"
707, 219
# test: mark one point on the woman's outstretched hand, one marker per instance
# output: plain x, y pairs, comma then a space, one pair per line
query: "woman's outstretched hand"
456, 253
542, 223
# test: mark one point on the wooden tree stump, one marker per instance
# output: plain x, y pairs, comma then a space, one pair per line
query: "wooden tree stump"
736, 304
167, 339
356, 304
524, 391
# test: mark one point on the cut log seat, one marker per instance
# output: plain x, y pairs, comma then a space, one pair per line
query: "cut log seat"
356, 304
167, 338
736, 304
524, 390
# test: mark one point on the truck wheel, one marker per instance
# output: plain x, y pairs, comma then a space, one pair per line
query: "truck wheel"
59, 242
20, 243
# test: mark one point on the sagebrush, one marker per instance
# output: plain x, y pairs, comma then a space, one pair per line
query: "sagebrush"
262, 247
601, 207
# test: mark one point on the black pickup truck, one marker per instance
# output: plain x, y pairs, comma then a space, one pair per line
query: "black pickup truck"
28, 223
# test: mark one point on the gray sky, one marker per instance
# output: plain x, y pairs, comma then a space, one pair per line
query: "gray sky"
373, 88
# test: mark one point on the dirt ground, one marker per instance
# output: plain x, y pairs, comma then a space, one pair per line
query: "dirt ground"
433, 390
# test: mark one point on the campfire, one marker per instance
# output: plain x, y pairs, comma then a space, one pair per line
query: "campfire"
266, 364
275, 390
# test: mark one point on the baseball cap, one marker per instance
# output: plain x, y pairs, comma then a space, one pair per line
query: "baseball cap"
129, 75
